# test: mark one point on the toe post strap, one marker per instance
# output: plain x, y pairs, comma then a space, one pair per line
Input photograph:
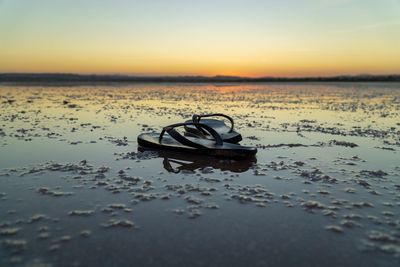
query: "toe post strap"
197, 118
170, 129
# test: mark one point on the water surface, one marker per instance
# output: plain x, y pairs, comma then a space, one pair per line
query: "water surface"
324, 189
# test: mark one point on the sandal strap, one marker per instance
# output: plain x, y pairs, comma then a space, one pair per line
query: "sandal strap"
170, 129
197, 118
183, 166
168, 166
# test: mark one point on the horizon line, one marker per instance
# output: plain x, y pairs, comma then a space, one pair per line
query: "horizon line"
149, 76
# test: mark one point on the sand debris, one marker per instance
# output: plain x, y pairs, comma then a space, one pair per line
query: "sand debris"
9, 231
123, 223
334, 228
81, 212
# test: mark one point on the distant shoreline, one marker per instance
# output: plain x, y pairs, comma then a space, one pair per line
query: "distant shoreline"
61, 78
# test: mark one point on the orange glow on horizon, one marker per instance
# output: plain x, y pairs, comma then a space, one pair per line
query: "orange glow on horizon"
318, 38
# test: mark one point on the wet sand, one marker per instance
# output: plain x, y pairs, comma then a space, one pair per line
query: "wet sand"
324, 189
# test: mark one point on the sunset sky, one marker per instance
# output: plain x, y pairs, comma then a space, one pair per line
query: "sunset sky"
204, 37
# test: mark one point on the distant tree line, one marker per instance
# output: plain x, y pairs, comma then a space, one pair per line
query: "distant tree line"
44, 78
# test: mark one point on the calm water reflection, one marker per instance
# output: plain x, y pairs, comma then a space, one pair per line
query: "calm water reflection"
76, 191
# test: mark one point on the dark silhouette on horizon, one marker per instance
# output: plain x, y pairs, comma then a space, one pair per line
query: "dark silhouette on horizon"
70, 78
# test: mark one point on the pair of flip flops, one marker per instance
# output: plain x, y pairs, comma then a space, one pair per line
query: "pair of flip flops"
202, 136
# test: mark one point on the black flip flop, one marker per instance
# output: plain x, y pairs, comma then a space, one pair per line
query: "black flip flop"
228, 134
176, 142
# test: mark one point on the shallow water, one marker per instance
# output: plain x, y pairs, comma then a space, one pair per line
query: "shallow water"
324, 189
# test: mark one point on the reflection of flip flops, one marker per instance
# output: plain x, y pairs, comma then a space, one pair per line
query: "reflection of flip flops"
177, 142
192, 162
228, 134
